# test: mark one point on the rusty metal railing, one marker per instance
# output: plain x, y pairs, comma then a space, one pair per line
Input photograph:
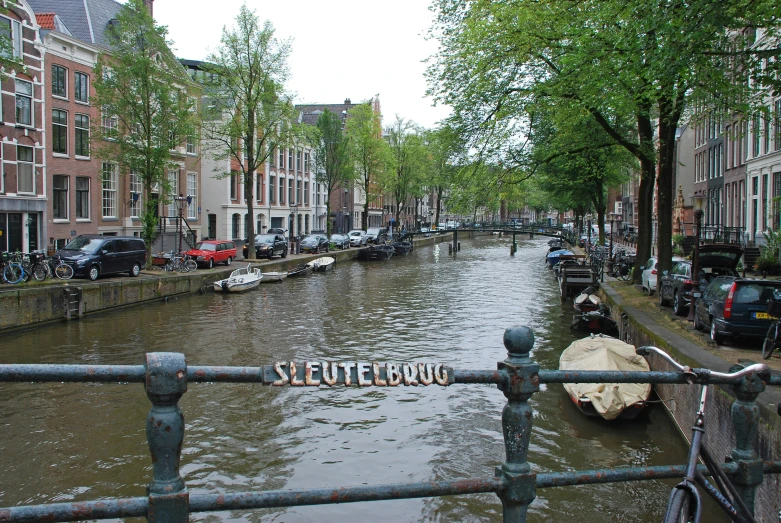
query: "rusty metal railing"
166, 376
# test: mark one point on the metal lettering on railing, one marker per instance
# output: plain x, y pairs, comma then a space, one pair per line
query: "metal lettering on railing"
347, 373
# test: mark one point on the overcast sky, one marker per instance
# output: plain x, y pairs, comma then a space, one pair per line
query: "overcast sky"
341, 48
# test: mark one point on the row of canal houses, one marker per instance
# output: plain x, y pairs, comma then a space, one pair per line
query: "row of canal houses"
53, 188
733, 164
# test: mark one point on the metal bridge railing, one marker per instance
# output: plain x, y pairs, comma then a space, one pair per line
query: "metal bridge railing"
166, 376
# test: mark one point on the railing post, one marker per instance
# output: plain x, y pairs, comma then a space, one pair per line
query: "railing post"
745, 420
166, 381
522, 380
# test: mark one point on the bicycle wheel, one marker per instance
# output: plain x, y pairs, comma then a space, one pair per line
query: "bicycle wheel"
769, 344
13, 273
678, 509
63, 271
190, 265
39, 271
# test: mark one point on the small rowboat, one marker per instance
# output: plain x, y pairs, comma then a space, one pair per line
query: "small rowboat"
326, 263
608, 400
402, 247
299, 270
239, 280
587, 302
273, 276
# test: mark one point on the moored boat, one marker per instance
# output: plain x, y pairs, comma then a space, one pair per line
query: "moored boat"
608, 400
273, 276
299, 270
553, 257
326, 263
376, 252
587, 300
239, 280
402, 247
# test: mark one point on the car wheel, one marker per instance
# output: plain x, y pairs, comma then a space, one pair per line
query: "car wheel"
678, 304
284, 253
270, 254
135, 270
211, 262
717, 338
326, 248
662, 301
93, 273
229, 261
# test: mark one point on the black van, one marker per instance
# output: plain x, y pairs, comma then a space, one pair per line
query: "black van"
92, 255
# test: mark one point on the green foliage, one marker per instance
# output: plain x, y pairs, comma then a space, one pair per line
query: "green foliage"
678, 244
332, 166
410, 161
143, 92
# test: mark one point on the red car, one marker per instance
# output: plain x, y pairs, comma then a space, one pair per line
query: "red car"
209, 252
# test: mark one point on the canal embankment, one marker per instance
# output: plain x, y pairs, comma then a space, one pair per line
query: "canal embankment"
28, 306
639, 328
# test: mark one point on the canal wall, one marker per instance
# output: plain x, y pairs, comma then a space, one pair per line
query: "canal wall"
28, 306
682, 401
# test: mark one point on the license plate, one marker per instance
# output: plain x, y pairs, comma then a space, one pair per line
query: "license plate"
763, 316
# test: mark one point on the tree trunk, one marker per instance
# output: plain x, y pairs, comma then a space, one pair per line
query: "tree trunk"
249, 187
645, 198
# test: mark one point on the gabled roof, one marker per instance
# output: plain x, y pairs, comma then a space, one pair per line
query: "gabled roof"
311, 112
86, 20
51, 22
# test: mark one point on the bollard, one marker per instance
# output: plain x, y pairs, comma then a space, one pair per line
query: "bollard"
459, 246
455, 241
449, 248
745, 421
166, 381
521, 380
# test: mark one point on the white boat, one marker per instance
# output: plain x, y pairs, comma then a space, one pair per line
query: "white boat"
326, 263
609, 400
239, 280
273, 276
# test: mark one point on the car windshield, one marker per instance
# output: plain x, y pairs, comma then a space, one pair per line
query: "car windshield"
373, 231
264, 238
84, 244
200, 246
310, 239
356, 233
337, 237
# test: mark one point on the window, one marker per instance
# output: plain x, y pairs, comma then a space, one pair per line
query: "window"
109, 190
766, 132
59, 132
306, 162
191, 147
281, 191
290, 191
12, 30
82, 135
755, 135
59, 75
234, 185
109, 121
306, 192
24, 170
271, 194
290, 159
136, 189
81, 87
60, 200
778, 125
24, 102
192, 190
173, 192
82, 198
298, 191
259, 187
281, 158
298, 161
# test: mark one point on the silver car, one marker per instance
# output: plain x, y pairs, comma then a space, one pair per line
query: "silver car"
358, 238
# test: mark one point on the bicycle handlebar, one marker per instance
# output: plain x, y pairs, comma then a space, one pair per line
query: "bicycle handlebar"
762, 371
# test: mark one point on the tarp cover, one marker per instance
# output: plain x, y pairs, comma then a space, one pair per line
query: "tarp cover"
605, 353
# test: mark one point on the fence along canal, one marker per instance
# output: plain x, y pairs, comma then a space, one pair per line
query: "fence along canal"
247, 438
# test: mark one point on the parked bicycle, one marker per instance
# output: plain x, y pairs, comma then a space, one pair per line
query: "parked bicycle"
773, 336
13, 269
685, 503
180, 263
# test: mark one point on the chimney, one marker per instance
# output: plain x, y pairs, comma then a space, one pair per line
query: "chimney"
346, 101
148, 4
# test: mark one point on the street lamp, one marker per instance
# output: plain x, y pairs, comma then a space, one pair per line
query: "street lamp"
294, 213
698, 202
181, 201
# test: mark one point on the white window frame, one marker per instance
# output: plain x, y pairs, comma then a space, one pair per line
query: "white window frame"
76, 87
60, 124
88, 206
15, 26
109, 194
78, 128
65, 81
65, 218
136, 186
173, 191
30, 165
191, 145
29, 97
192, 190
110, 123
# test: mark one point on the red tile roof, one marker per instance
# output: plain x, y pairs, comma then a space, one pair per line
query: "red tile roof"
46, 20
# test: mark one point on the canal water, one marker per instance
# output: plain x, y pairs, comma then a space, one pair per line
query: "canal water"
70, 442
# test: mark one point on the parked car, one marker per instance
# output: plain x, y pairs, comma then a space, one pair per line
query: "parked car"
357, 237
92, 255
649, 273
582, 241
426, 232
209, 252
314, 243
277, 230
715, 260
376, 235
267, 245
735, 307
340, 241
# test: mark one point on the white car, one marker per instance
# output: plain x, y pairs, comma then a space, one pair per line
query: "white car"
358, 238
649, 274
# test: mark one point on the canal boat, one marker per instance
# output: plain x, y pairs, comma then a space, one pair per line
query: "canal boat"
608, 400
553, 257
326, 263
402, 247
273, 276
299, 270
587, 300
376, 252
595, 322
239, 280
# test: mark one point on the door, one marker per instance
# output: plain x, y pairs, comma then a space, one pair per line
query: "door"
3, 232
109, 258
213, 226
15, 237
32, 231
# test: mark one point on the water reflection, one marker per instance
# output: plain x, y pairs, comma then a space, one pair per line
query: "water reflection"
76, 442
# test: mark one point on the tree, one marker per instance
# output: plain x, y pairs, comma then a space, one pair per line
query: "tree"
252, 115
369, 151
406, 178
331, 159
144, 95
